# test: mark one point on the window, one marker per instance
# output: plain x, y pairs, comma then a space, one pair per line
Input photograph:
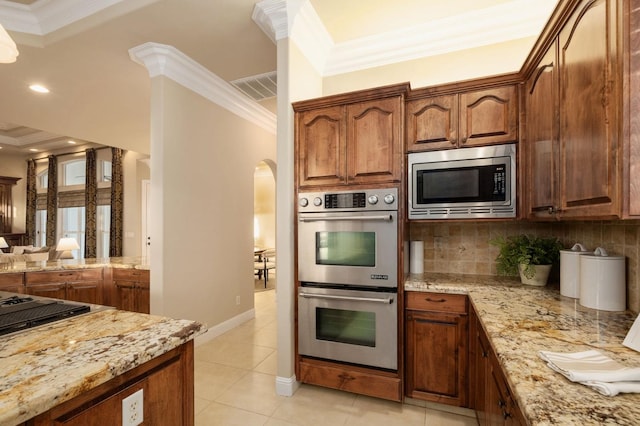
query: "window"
73, 173
71, 216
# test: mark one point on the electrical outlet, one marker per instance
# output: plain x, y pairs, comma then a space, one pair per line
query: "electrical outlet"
132, 409
237, 300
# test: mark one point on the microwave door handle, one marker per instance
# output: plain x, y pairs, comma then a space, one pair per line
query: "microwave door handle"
386, 301
386, 218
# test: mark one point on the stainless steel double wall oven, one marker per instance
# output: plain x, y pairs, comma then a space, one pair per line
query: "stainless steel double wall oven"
348, 273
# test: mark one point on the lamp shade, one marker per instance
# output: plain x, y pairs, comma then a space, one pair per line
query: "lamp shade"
8, 48
67, 244
3, 243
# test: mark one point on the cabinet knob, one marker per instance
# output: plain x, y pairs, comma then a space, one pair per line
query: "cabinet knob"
552, 210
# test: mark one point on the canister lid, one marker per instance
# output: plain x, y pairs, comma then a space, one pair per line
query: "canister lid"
600, 254
577, 249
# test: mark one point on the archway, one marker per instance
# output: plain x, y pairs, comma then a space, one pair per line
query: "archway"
264, 210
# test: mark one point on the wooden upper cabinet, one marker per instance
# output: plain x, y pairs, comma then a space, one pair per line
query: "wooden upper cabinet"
631, 111
489, 116
352, 138
589, 146
473, 118
374, 141
321, 146
432, 123
541, 143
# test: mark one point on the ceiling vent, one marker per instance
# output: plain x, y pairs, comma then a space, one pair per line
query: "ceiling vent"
258, 87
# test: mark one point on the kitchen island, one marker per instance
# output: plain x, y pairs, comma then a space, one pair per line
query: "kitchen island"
77, 371
522, 320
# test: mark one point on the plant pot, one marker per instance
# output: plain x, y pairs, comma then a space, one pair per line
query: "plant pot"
539, 278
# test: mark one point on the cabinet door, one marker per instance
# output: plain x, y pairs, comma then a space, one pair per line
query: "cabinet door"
588, 112
436, 347
56, 291
85, 292
541, 145
374, 141
125, 295
321, 146
489, 116
432, 123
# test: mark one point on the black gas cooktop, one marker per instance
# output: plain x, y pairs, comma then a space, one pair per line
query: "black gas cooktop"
20, 312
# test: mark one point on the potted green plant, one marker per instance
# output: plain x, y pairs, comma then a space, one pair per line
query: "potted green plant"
529, 256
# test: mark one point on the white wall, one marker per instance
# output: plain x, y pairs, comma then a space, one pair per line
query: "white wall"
202, 171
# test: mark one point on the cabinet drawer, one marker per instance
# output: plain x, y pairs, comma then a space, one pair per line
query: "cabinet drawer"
121, 274
50, 277
11, 279
355, 380
437, 302
65, 276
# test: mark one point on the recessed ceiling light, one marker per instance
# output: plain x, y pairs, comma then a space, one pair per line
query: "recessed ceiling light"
71, 142
33, 150
39, 88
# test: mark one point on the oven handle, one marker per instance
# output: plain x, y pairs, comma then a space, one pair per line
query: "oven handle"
386, 301
386, 218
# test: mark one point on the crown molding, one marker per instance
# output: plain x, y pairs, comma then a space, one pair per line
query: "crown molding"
298, 20
506, 21
46, 16
165, 60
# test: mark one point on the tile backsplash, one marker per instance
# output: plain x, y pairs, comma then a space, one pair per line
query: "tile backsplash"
464, 248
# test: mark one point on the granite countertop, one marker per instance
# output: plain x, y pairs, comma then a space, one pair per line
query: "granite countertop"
522, 320
45, 366
57, 265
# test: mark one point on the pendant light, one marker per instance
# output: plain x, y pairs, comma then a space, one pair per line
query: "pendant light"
8, 49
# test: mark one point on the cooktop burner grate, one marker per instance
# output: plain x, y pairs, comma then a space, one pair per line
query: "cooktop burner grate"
32, 313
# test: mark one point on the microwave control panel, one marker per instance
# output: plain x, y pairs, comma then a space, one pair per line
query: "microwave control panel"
365, 200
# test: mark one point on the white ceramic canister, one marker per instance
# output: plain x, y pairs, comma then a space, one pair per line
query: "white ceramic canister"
570, 270
602, 281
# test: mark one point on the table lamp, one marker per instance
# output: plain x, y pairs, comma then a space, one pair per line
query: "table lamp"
3, 244
65, 245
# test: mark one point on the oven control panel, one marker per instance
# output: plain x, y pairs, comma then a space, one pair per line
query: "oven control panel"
364, 200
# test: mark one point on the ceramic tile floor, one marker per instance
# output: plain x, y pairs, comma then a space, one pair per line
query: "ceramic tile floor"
235, 385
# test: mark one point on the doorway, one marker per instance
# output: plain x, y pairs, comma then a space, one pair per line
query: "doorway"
264, 221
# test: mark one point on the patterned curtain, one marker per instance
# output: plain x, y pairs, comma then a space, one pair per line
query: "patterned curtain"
32, 197
117, 191
91, 205
52, 201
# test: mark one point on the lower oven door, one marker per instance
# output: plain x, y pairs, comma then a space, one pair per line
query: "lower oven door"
352, 326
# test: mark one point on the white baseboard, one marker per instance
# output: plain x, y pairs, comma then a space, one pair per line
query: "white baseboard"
225, 326
286, 386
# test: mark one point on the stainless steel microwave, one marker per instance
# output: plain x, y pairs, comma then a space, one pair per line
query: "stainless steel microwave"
465, 183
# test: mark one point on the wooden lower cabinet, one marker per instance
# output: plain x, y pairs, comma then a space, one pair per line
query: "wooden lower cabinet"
363, 381
130, 290
79, 285
491, 396
168, 395
436, 347
12, 281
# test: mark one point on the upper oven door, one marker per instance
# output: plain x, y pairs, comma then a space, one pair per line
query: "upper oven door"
355, 248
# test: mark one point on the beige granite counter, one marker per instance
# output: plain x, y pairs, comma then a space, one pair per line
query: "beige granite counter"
56, 265
45, 366
522, 320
